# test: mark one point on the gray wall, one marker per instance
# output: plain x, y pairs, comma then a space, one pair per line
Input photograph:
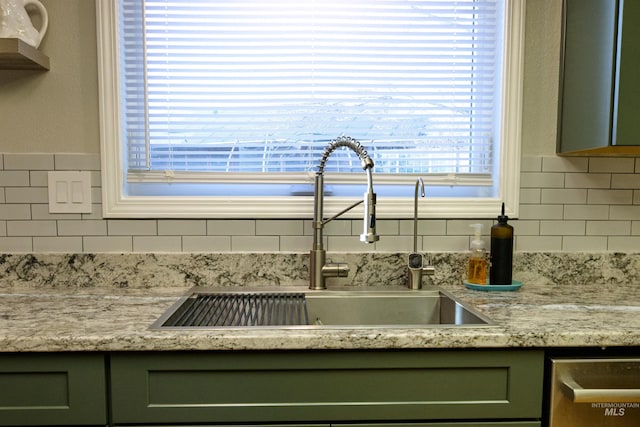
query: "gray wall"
57, 111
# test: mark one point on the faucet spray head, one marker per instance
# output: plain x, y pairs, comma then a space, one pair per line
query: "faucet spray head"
369, 234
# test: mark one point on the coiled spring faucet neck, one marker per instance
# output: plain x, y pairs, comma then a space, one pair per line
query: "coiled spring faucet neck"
318, 269
354, 145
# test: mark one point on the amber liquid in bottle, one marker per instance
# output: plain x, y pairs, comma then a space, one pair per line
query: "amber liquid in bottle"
477, 273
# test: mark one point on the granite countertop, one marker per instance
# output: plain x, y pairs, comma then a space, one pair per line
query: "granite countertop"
112, 319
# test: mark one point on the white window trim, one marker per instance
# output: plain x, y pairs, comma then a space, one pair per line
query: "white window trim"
118, 205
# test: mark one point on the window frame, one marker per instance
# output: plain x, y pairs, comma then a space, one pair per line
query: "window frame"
116, 204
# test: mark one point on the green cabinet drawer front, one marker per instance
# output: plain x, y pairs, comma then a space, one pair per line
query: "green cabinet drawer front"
52, 389
325, 386
453, 424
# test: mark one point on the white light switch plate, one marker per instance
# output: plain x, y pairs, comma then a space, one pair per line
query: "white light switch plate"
69, 192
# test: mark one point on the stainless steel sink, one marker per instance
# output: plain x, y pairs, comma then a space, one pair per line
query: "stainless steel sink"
291, 308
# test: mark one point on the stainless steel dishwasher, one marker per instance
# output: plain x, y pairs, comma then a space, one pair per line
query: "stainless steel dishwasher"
602, 392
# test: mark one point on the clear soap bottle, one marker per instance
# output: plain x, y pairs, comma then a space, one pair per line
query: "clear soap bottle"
477, 271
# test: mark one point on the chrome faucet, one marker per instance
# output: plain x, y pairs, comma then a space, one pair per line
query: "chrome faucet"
319, 270
415, 261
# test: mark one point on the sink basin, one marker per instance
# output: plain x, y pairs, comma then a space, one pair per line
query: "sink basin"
290, 308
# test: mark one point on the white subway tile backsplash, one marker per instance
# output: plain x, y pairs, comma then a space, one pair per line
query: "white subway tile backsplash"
279, 227
584, 244
432, 227
347, 244
16, 244
462, 227
96, 211
40, 211
182, 227
28, 162
85, 162
384, 227
538, 243
541, 212
296, 243
396, 244
541, 180
624, 244
530, 196
132, 227
531, 164
445, 243
96, 179
593, 212
231, 227
15, 211
82, 228
119, 244
255, 243
57, 244
339, 227
206, 243
14, 178
39, 178
562, 228
26, 195
157, 244
624, 212
523, 227
562, 196
587, 180
564, 164
625, 180
611, 164
31, 228
608, 228
566, 204
609, 197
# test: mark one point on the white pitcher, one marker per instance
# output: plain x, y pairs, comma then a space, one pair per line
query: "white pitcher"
15, 22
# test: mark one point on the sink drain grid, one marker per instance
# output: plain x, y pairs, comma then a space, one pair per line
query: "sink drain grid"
244, 309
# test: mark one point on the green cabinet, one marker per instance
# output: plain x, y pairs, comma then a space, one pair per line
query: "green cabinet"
599, 89
328, 387
411, 388
52, 389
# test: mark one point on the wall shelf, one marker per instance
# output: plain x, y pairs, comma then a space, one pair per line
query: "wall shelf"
18, 55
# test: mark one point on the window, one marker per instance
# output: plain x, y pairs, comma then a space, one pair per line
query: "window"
223, 108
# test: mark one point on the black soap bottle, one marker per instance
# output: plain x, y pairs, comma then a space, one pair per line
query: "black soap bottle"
501, 252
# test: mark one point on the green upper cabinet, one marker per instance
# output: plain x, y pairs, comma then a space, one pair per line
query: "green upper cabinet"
599, 91
628, 88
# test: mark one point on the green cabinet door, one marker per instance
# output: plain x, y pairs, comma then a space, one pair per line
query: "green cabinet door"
627, 107
452, 424
588, 74
52, 389
599, 101
325, 386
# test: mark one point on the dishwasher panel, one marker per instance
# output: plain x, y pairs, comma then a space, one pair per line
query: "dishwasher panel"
595, 392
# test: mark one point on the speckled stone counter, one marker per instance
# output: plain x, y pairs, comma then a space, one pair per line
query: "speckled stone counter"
48, 304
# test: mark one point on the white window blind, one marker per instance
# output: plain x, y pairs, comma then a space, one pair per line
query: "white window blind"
242, 86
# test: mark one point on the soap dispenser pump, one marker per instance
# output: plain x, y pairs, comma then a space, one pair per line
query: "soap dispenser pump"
477, 271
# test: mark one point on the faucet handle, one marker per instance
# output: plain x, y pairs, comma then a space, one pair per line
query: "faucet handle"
417, 269
415, 260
